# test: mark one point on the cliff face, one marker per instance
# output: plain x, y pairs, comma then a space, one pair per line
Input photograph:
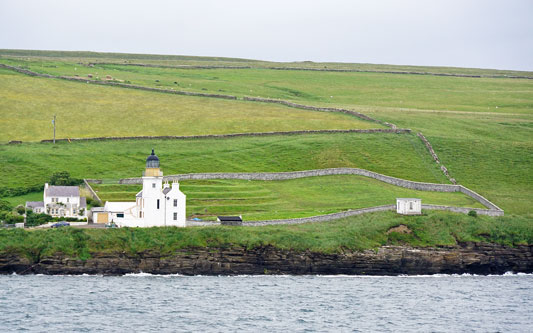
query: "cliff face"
388, 260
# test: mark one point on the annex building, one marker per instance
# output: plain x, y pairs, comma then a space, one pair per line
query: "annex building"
158, 204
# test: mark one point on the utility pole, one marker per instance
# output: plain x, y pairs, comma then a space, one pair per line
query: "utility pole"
54, 122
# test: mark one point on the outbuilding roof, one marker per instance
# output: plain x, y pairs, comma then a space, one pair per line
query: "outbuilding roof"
229, 218
118, 207
62, 191
34, 204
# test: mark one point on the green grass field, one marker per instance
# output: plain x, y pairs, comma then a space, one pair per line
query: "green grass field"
361, 232
259, 200
397, 155
28, 105
481, 128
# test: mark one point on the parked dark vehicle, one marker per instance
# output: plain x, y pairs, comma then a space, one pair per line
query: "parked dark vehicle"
60, 224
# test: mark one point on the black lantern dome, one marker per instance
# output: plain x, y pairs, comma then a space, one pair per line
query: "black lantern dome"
152, 161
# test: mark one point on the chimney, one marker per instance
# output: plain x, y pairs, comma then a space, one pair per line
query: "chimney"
175, 185
45, 186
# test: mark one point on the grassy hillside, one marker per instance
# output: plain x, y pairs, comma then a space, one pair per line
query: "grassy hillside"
177, 60
28, 105
397, 155
481, 128
259, 200
320, 88
354, 233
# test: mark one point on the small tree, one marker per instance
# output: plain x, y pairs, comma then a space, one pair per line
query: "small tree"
472, 213
5, 206
63, 178
21, 210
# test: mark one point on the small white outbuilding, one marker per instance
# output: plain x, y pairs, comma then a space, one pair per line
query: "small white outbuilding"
408, 206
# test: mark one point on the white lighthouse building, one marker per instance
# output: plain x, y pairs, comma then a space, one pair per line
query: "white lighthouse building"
158, 204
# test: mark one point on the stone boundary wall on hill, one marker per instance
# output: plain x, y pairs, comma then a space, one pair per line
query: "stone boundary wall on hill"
89, 187
320, 218
327, 172
198, 94
314, 108
464, 210
435, 157
233, 135
117, 84
351, 212
341, 70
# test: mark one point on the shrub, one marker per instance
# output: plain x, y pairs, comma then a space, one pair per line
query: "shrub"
33, 219
472, 213
63, 178
21, 210
5, 206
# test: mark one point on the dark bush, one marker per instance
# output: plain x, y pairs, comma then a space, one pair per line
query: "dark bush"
63, 178
33, 219
472, 213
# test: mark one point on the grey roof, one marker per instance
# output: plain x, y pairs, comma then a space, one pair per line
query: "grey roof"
229, 218
139, 195
97, 209
63, 191
166, 190
34, 204
83, 202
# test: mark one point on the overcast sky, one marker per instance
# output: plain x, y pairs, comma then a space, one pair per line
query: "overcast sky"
463, 33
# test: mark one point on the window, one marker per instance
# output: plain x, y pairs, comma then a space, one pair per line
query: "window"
410, 205
157, 203
153, 185
120, 215
175, 202
175, 216
68, 199
140, 214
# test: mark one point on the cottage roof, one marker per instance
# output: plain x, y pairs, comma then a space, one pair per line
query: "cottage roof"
62, 191
139, 195
229, 218
416, 199
97, 209
34, 204
166, 190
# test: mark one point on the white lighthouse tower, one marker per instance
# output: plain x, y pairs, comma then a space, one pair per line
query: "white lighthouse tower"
159, 204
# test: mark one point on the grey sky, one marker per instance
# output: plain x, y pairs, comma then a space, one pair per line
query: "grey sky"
464, 33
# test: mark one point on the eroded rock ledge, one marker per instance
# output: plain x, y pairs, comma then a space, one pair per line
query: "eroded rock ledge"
475, 258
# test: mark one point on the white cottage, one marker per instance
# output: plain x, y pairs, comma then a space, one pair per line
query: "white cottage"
60, 201
408, 206
157, 205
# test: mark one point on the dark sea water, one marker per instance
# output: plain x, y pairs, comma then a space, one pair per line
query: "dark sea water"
146, 303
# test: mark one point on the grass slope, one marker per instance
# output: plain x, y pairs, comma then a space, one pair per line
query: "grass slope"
177, 60
28, 105
482, 129
354, 233
321, 88
398, 155
261, 200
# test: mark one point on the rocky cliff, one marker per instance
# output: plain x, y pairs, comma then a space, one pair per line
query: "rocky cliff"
475, 258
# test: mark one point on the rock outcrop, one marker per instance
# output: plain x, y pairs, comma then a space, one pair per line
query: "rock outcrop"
475, 258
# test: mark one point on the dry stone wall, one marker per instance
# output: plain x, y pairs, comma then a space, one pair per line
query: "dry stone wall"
435, 157
232, 135
341, 70
314, 108
465, 210
327, 172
